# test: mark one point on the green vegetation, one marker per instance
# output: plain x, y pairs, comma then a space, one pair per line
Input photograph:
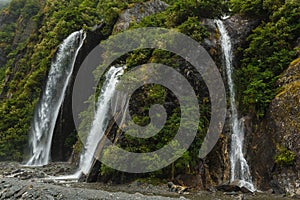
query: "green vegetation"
270, 50
256, 8
30, 42
285, 157
30, 39
184, 17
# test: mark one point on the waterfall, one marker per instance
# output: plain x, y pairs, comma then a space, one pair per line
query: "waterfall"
239, 167
47, 110
99, 124
101, 118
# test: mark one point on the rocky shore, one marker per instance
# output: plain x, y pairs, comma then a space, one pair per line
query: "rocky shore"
21, 182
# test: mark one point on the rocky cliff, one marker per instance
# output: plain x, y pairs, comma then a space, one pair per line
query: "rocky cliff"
275, 146
29, 42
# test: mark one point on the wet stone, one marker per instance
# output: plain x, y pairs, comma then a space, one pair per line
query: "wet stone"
21, 192
245, 190
7, 185
2, 193
228, 188
49, 197
12, 191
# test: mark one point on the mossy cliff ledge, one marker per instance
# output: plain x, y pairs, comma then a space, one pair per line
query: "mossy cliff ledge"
276, 146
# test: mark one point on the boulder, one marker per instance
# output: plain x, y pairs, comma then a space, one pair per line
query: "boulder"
233, 187
189, 180
228, 188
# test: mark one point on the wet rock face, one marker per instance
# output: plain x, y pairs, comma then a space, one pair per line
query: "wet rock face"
280, 129
239, 29
217, 167
138, 12
211, 42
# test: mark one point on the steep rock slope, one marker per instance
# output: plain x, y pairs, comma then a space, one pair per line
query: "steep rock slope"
275, 148
137, 13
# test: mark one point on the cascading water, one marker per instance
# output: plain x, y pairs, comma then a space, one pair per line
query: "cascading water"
99, 124
47, 110
101, 119
239, 167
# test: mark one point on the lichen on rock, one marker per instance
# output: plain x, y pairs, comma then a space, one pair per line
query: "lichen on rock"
280, 133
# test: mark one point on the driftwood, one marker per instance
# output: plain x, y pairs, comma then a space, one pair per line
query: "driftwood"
177, 188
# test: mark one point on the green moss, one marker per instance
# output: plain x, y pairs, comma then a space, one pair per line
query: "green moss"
292, 88
295, 62
285, 157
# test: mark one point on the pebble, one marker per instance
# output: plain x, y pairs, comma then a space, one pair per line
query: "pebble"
6, 185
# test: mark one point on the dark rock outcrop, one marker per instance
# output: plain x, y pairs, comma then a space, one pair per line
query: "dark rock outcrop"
280, 129
211, 42
217, 167
233, 187
189, 180
239, 28
137, 12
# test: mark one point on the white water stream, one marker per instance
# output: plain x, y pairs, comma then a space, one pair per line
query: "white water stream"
99, 125
47, 110
239, 167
